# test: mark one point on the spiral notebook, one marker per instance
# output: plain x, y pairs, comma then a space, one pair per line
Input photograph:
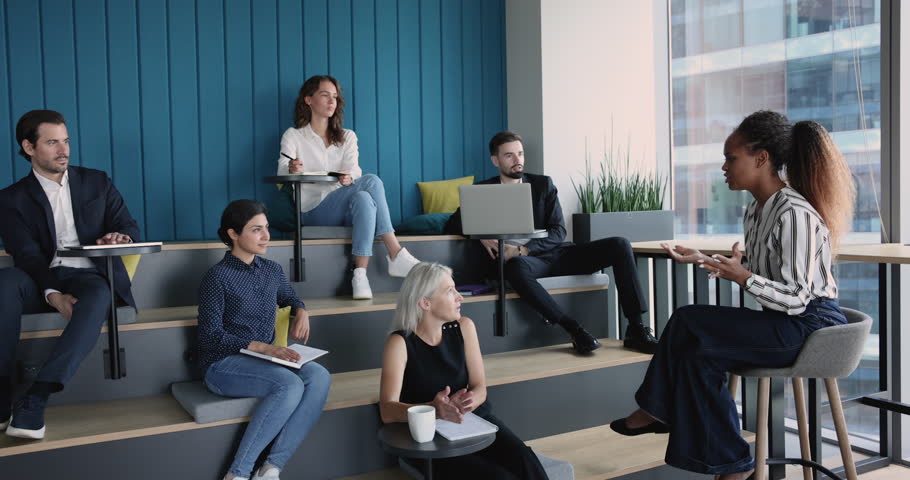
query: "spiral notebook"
472, 426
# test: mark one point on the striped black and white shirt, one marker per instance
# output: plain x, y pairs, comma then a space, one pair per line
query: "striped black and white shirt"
788, 249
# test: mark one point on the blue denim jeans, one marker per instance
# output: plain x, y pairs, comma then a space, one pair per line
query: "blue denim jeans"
361, 205
686, 383
292, 402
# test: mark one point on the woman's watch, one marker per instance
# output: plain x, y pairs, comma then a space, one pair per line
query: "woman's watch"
749, 281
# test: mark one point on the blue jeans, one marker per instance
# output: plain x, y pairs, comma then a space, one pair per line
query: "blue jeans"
20, 295
292, 402
686, 383
361, 205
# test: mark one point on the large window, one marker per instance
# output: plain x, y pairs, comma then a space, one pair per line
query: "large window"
809, 59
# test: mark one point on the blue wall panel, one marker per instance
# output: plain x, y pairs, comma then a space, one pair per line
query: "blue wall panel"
183, 103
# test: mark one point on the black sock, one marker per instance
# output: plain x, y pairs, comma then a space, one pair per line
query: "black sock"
635, 319
43, 389
569, 324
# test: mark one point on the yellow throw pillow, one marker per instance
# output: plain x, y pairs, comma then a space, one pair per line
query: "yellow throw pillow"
131, 262
442, 196
282, 322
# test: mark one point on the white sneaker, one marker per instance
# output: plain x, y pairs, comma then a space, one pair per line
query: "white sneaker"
5, 423
361, 285
270, 474
402, 264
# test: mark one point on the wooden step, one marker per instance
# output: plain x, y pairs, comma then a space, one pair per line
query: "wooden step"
172, 317
596, 453
121, 419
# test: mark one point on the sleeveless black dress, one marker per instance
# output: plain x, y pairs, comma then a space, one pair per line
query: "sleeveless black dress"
429, 370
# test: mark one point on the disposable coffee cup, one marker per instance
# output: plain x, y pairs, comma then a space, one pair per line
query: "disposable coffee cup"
422, 423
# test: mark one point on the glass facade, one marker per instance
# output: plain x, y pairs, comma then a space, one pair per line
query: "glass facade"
810, 59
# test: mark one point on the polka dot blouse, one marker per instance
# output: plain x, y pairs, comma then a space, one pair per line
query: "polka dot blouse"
237, 304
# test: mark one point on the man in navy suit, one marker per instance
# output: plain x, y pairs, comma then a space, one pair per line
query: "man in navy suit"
54, 206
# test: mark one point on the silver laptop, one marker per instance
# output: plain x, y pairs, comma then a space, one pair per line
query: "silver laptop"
496, 209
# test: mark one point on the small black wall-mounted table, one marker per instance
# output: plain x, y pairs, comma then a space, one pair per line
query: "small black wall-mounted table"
295, 180
396, 439
114, 352
500, 326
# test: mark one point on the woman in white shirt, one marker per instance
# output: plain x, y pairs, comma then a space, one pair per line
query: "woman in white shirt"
320, 143
790, 230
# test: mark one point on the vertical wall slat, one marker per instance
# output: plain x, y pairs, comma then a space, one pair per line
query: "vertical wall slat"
126, 152
156, 120
341, 60
365, 95
315, 37
8, 145
452, 95
239, 55
409, 95
431, 89
476, 156
494, 92
388, 149
25, 78
266, 131
58, 56
91, 86
185, 119
290, 64
213, 144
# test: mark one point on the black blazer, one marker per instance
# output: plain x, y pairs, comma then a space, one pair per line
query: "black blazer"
547, 214
28, 232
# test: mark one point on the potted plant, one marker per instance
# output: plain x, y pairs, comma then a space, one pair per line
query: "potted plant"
620, 201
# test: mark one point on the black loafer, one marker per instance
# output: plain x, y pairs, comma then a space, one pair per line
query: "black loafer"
583, 342
619, 426
640, 338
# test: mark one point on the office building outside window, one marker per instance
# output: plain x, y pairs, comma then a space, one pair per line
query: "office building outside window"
812, 60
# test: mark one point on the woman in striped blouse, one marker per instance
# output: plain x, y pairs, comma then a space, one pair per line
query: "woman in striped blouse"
790, 229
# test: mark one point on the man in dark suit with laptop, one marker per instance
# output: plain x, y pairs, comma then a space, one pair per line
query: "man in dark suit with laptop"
526, 261
54, 206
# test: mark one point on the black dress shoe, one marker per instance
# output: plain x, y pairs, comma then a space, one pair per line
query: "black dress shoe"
582, 341
641, 338
619, 426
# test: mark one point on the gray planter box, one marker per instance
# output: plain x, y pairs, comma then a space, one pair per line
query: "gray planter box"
635, 226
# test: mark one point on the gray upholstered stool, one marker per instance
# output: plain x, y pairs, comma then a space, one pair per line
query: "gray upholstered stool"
829, 353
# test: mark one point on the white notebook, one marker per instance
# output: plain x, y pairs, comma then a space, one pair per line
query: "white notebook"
472, 426
118, 245
307, 354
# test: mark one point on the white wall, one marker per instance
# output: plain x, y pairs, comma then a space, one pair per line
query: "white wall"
603, 66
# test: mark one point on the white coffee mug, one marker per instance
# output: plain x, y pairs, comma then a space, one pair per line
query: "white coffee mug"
422, 422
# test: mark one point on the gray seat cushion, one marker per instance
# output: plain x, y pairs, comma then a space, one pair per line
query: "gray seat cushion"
829, 352
207, 407
575, 281
556, 469
316, 232
54, 321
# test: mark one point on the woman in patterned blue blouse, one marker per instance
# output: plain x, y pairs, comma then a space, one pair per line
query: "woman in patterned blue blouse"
791, 227
237, 302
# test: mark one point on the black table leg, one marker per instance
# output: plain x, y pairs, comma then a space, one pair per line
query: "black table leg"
297, 261
429, 474
500, 326
113, 339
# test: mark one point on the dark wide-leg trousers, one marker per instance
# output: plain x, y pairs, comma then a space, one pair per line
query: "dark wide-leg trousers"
686, 383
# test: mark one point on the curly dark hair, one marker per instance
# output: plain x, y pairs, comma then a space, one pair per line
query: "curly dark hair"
303, 115
236, 215
768, 131
502, 138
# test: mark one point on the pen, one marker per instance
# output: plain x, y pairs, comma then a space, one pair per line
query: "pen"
287, 156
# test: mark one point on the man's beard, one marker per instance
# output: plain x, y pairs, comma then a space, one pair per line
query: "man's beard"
516, 175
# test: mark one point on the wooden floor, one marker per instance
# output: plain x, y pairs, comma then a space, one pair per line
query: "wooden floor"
69, 426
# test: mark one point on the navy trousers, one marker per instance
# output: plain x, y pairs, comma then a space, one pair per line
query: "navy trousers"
686, 383
568, 259
20, 295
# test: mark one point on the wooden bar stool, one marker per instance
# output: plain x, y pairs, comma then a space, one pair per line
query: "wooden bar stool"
829, 353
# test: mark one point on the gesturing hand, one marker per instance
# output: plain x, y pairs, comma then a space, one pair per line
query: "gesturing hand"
683, 254
63, 303
729, 268
445, 408
463, 400
491, 246
301, 328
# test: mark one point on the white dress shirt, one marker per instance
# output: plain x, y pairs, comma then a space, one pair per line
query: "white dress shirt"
307, 145
788, 249
58, 195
